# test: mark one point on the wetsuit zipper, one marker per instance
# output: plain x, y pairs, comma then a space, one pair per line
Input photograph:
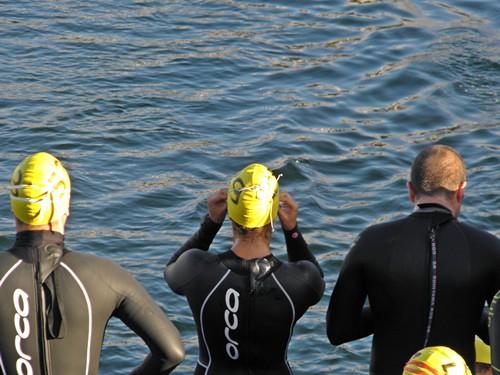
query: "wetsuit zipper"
433, 284
40, 311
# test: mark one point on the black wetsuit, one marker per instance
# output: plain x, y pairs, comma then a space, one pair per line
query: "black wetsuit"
391, 264
245, 310
55, 305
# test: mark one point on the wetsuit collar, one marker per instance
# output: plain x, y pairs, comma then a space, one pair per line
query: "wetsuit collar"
436, 214
432, 207
47, 249
245, 266
257, 268
35, 238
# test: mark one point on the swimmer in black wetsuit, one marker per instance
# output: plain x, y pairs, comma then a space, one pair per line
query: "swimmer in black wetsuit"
55, 303
245, 301
410, 305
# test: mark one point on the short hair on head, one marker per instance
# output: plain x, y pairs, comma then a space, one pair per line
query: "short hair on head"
437, 169
255, 232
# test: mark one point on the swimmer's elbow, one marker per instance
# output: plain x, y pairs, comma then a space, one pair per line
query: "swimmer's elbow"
345, 328
335, 339
177, 354
335, 336
335, 332
171, 358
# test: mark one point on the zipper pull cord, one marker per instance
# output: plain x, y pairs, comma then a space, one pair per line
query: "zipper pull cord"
432, 306
41, 314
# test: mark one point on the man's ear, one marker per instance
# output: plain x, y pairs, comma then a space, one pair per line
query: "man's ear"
412, 196
461, 192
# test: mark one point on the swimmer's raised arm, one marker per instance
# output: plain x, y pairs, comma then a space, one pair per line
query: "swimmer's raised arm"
296, 246
212, 222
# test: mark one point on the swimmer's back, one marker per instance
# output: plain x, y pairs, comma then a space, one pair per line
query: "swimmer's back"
89, 290
243, 327
390, 263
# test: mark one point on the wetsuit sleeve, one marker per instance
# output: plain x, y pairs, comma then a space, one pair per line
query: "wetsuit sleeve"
347, 319
187, 262
297, 248
184, 271
202, 239
139, 312
312, 277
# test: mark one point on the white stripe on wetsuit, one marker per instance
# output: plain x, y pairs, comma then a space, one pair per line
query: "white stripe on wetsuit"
201, 320
9, 272
1, 283
2, 366
291, 324
89, 310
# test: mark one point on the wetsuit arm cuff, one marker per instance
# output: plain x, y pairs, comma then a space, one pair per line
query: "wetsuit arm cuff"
202, 239
297, 248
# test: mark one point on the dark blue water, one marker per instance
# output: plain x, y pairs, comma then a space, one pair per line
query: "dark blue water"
153, 104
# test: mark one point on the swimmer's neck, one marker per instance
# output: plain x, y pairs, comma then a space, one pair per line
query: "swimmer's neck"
251, 249
452, 203
54, 226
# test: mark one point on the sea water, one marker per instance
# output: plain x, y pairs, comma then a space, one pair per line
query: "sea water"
152, 105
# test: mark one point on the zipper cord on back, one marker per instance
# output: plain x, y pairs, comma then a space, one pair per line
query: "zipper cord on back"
433, 279
40, 306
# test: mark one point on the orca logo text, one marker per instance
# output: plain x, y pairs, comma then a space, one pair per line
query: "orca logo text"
231, 320
22, 325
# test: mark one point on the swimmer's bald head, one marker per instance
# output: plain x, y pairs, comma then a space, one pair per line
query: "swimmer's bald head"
438, 170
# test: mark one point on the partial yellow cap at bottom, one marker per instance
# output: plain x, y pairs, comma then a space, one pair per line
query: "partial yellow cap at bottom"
40, 189
483, 352
436, 360
253, 197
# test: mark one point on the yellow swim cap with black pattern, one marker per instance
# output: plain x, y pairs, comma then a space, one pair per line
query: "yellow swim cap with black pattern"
40, 189
253, 197
436, 360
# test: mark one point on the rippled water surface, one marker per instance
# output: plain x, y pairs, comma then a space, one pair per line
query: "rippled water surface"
153, 104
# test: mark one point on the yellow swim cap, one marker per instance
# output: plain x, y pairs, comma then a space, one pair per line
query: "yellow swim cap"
40, 189
436, 360
253, 198
483, 352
